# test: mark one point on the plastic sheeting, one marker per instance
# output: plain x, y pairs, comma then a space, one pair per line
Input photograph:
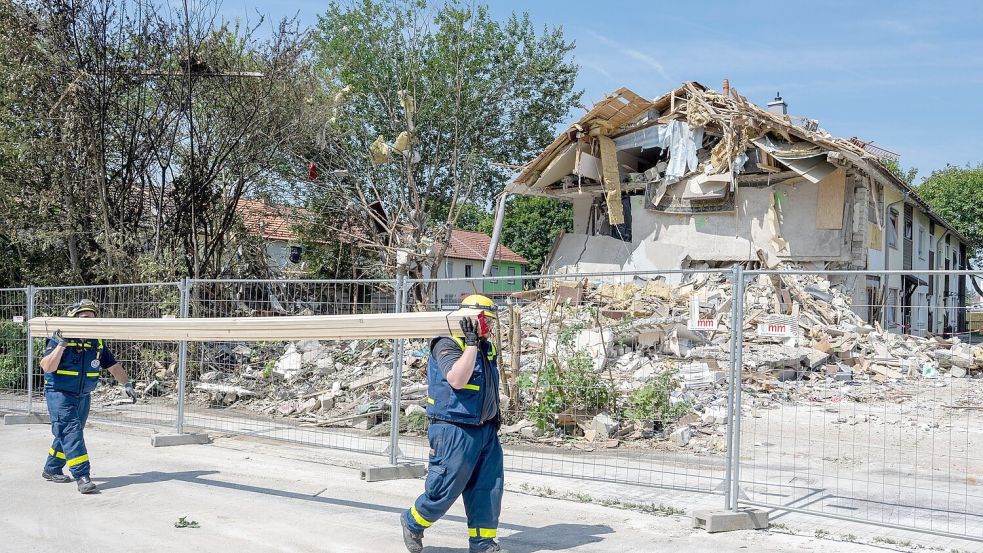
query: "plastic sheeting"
681, 141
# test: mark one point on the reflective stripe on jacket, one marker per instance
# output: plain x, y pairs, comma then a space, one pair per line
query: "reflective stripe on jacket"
79, 369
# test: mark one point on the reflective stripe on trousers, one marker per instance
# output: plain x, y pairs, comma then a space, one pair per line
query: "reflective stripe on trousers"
68, 414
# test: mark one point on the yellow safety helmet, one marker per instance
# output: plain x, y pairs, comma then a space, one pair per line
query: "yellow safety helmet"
477, 301
83, 305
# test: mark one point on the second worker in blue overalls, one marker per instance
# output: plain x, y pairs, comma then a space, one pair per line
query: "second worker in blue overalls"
465, 454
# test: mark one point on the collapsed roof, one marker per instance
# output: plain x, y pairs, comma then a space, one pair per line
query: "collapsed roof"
698, 134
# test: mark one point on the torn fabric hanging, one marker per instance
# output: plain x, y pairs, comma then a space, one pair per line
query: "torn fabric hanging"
681, 141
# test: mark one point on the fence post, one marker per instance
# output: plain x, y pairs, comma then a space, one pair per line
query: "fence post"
737, 362
734, 318
30, 349
396, 390
182, 360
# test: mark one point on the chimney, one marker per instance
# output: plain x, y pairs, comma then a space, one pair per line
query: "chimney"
726, 87
778, 106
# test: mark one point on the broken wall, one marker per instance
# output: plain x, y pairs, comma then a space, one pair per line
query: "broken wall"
664, 240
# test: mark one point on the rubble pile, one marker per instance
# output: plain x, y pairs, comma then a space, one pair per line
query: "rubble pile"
664, 379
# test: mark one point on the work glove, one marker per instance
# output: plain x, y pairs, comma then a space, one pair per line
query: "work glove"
130, 391
470, 330
58, 338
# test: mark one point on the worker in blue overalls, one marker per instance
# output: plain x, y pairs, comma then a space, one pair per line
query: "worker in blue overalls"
465, 454
71, 372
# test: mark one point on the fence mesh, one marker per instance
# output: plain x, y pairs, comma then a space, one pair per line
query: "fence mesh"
326, 393
604, 377
859, 420
150, 365
13, 349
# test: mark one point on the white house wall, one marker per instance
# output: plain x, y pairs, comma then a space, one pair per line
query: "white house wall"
662, 240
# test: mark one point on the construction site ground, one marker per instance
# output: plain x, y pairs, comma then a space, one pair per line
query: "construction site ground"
249, 494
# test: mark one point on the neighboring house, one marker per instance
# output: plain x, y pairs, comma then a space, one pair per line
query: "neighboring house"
465, 258
700, 179
275, 224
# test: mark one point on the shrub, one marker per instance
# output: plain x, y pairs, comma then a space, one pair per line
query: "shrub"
577, 387
652, 401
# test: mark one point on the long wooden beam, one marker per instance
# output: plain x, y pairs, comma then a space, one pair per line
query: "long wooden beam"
316, 327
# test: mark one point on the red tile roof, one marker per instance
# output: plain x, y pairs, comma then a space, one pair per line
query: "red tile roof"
271, 222
466, 244
277, 222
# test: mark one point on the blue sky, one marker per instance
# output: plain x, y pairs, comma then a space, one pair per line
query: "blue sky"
907, 75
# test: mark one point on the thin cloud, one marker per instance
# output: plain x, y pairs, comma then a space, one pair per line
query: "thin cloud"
595, 67
633, 54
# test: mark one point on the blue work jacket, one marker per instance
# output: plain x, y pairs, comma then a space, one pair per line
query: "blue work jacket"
474, 404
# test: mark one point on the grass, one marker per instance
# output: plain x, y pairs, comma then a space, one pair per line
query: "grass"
848, 537
820, 533
581, 497
891, 541
183, 522
780, 527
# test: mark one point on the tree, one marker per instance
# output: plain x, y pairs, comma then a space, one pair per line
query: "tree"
907, 175
445, 98
531, 225
956, 194
129, 133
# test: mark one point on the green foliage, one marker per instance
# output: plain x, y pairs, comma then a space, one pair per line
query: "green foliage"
12, 371
13, 355
907, 175
652, 401
577, 387
416, 422
956, 194
531, 225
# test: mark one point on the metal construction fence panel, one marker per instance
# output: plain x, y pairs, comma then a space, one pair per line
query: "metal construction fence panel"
151, 365
13, 349
330, 393
605, 377
867, 408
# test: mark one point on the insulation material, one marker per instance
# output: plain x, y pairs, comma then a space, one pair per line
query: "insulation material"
407, 101
402, 142
777, 242
314, 327
612, 180
832, 192
379, 151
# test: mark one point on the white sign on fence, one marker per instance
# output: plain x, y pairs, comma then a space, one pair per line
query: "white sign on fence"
776, 330
19, 319
695, 322
702, 324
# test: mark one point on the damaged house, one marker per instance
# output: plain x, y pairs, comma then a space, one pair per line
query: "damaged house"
705, 179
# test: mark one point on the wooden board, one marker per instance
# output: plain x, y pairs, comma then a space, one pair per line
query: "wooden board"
829, 205
318, 327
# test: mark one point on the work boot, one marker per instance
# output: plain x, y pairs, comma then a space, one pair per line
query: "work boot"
86, 485
493, 548
413, 542
55, 477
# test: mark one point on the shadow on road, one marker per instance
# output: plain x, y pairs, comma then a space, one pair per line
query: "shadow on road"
555, 537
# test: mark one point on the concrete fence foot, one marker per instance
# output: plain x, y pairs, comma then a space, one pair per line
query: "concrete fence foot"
33, 418
165, 440
394, 472
728, 521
